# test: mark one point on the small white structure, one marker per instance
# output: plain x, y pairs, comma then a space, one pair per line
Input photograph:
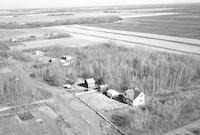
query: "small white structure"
90, 83
67, 57
51, 60
112, 93
67, 86
39, 53
62, 61
66, 64
103, 88
134, 97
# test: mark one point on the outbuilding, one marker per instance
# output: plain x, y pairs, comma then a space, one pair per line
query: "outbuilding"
67, 86
67, 57
90, 83
112, 93
103, 88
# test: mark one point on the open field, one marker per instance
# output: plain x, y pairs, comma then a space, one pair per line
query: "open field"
6, 34
66, 42
179, 25
44, 121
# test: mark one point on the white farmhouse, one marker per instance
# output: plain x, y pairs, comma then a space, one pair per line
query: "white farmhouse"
134, 97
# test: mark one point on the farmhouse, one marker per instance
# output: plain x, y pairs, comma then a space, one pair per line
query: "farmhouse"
134, 97
112, 93
90, 83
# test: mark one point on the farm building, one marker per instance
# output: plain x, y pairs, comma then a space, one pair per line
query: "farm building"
103, 88
134, 97
67, 57
112, 93
51, 60
67, 86
39, 53
90, 83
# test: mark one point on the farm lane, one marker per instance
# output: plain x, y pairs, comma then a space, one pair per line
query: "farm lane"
132, 39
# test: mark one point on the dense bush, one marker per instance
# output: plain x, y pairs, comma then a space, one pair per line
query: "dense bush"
124, 68
15, 88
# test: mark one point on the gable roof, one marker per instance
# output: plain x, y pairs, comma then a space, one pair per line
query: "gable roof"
132, 93
136, 93
90, 80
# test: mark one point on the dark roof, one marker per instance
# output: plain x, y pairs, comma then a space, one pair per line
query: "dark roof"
136, 93
132, 93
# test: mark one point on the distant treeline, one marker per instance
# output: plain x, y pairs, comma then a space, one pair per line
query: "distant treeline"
81, 20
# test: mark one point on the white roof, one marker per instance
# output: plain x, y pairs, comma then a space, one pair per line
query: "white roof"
68, 57
113, 92
90, 80
67, 86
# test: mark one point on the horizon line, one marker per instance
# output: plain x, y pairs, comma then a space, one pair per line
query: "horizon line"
117, 5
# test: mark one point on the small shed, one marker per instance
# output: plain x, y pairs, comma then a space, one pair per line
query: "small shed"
90, 83
112, 93
67, 86
39, 53
67, 57
51, 60
103, 88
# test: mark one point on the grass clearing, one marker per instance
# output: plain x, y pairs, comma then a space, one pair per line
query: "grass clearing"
65, 42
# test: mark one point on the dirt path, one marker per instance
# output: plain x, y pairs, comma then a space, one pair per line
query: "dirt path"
131, 39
